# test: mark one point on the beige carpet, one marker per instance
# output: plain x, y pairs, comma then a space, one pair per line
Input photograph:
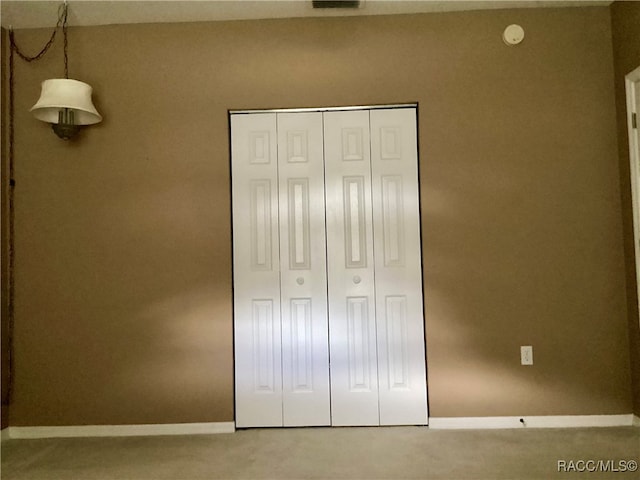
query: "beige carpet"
305, 453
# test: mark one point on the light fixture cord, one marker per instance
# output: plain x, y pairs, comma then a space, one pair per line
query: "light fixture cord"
62, 20
13, 48
64, 35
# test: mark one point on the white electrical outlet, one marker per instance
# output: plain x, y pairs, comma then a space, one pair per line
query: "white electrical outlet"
526, 355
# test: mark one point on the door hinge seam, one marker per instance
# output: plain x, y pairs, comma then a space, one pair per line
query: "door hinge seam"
634, 120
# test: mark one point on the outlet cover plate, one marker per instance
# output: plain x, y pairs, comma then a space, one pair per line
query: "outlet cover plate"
526, 355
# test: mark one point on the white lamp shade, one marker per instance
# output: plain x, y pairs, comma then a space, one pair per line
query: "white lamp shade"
59, 93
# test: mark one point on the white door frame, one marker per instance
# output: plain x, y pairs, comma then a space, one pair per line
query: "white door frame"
633, 94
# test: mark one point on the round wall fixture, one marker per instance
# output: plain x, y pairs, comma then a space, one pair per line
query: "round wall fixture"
513, 34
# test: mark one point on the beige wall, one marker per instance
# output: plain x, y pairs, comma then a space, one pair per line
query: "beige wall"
625, 20
124, 306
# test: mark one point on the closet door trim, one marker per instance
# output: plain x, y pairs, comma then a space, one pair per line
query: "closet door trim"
388, 311
325, 109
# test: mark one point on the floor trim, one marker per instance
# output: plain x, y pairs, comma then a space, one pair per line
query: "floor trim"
559, 421
436, 423
121, 430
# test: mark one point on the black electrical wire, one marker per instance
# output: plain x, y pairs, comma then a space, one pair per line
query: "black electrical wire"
62, 21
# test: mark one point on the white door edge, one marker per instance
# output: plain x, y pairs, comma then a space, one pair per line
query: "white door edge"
632, 93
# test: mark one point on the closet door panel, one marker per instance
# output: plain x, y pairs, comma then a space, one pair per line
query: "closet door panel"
352, 329
305, 344
399, 312
256, 265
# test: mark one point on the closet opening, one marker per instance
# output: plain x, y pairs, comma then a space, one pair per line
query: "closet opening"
328, 307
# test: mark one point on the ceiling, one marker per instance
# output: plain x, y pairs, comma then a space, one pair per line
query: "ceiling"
36, 13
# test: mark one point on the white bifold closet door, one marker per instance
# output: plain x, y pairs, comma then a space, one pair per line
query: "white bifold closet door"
375, 289
352, 306
327, 278
303, 278
396, 225
280, 292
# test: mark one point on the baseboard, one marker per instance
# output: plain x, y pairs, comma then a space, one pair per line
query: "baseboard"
560, 421
436, 423
121, 430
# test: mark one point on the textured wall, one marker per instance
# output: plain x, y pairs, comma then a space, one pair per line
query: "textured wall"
625, 21
124, 302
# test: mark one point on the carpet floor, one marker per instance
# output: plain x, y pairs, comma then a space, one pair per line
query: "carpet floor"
334, 453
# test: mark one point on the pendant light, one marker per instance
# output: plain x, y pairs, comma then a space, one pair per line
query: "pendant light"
65, 103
